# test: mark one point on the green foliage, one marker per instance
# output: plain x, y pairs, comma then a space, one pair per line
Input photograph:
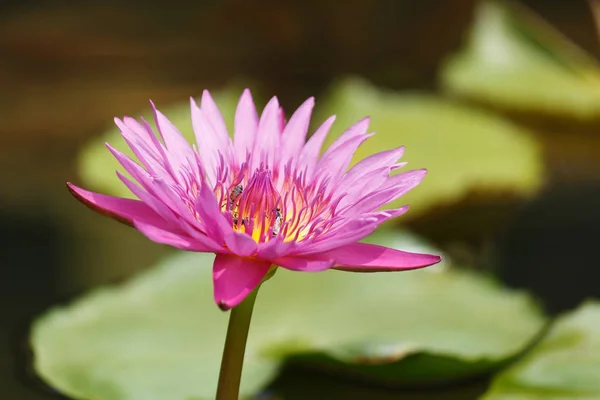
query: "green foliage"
160, 335
515, 61
565, 365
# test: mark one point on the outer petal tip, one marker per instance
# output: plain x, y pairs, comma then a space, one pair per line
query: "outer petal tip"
73, 190
102, 204
310, 102
366, 121
363, 257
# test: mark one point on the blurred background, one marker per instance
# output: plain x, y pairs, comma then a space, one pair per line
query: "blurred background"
68, 67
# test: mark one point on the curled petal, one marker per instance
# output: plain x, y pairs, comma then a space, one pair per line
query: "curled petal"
363, 257
235, 277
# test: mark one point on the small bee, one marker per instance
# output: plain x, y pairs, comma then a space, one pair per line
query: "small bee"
278, 222
236, 192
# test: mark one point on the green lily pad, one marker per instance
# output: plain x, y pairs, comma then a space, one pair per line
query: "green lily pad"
516, 61
565, 365
97, 165
160, 335
465, 150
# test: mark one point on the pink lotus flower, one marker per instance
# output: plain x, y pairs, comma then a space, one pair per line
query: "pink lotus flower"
266, 198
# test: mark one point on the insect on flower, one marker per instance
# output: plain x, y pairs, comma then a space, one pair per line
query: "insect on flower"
264, 198
278, 220
235, 193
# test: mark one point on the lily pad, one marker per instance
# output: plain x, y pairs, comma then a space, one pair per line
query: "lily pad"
97, 165
465, 150
516, 61
160, 335
565, 365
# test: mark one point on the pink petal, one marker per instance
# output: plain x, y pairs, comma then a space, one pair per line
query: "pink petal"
275, 248
310, 153
148, 135
143, 147
212, 113
358, 129
179, 151
138, 173
179, 241
208, 142
159, 196
363, 257
241, 244
396, 212
337, 157
215, 119
333, 164
235, 277
294, 133
354, 190
214, 222
120, 209
148, 199
347, 233
303, 264
375, 162
267, 144
395, 187
245, 126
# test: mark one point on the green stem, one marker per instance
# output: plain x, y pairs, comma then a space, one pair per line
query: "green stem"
235, 347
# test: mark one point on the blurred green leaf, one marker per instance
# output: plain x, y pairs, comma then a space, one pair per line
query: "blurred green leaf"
160, 335
514, 60
565, 365
291, 384
465, 150
97, 165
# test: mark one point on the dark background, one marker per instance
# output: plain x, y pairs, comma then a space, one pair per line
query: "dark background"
68, 67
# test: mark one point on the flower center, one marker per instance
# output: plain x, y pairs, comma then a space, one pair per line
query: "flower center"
256, 209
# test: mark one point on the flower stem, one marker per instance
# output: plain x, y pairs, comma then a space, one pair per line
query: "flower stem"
235, 347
